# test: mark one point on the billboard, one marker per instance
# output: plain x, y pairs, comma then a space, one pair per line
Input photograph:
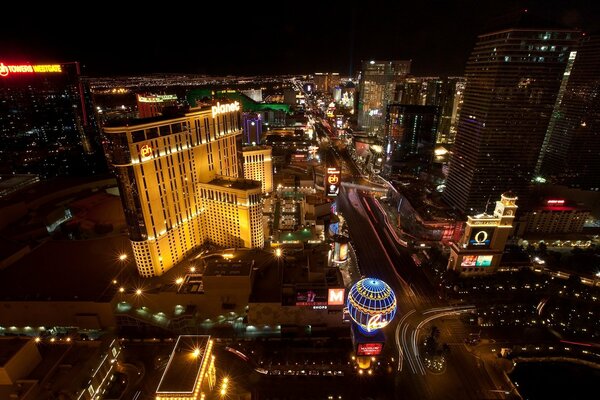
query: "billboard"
483, 261
481, 238
335, 297
311, 297
369, 349
476, 261
340, 254
332, 181
468, 261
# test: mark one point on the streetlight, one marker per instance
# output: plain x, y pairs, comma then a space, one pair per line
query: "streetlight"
278, 252
138, 291
122, 256
224, 385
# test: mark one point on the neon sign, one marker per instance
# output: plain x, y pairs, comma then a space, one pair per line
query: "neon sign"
335, 297
555, 202
156, 98
376, 322
369, 349
5, 70
146, 151
481, 238
225, 108
332, 181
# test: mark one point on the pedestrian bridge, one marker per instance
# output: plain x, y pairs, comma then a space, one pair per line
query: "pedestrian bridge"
365, 187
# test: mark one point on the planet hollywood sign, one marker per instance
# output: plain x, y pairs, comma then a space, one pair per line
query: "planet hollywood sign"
6, 70
225, 108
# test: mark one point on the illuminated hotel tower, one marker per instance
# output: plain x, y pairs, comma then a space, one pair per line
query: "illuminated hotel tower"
160, 167
233, 212
258, 166
481, 247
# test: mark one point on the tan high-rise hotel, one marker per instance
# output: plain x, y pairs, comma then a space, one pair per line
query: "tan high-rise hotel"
174, 173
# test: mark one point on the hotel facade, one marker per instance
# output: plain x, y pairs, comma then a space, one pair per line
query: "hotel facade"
160, 165
480, 249
258, 165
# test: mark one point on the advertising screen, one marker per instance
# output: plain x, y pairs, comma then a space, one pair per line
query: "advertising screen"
311, 297
484, 261
369, 349
480, 238
332, 181
468, 261
341, 252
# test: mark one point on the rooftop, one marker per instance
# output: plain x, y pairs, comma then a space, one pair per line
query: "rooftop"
67, 270
9, 347
12, 183
185, 363
236, 183
49, 188
228, 267
255, 148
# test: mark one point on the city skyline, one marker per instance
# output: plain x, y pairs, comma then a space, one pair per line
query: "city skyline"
296, 39
314, 219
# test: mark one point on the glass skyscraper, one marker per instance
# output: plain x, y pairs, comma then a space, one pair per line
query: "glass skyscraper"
47, 121
513, 79
571, 151
378, 80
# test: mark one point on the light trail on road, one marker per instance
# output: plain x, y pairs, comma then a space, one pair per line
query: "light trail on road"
400, 352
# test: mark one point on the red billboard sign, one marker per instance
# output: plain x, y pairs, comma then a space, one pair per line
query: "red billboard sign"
369, 349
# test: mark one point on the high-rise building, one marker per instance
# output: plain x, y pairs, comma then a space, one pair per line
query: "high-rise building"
445, 93
233, 212
161, 166
378, 80
571, 149
47, 122
258, 165
325, 82
252, 126
513, 78
410, 133
152, 105
455, 115
553, 216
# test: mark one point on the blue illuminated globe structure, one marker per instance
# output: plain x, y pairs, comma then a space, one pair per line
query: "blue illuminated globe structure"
371, 304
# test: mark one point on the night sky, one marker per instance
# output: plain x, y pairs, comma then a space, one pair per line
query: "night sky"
268, 37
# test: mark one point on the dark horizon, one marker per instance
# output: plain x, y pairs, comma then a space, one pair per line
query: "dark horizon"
286, 39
